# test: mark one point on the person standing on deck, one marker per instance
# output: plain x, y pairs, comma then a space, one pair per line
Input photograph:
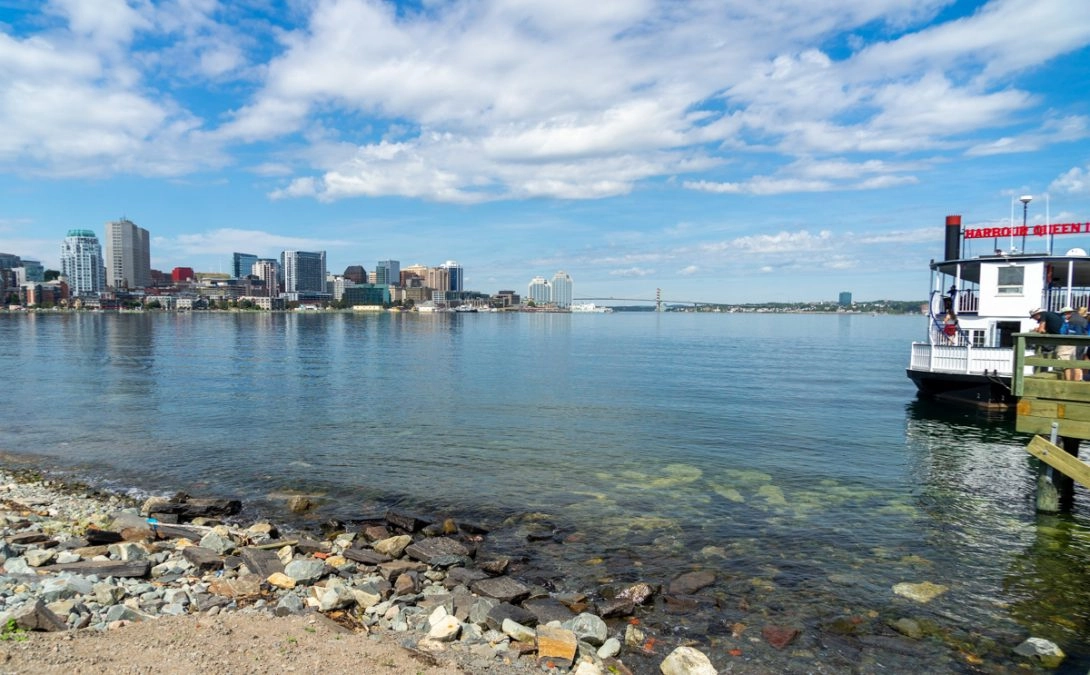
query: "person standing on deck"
1047, 322
1074, 324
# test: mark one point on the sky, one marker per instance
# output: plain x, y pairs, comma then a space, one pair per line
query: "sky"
718, 150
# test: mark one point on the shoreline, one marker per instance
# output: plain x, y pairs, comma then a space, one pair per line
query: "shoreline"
418, 587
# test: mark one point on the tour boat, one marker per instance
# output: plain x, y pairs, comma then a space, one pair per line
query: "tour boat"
978, 302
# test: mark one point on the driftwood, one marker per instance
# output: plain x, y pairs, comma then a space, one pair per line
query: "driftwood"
104, 568
204, 559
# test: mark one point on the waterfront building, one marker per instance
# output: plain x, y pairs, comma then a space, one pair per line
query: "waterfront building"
268, 270
845, 299
507, 298
31, 271
437, 278
128, 255
356, 274
82, 264
9, 261
388, 272
182, 275
367, 294
242, 264
303, 271
455, 276
561, 289
539, 291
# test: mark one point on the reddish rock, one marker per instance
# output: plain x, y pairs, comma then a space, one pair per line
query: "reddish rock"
779, 636
691, 582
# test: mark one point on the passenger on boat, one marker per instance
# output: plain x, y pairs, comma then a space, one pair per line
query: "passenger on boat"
1074, 324
1047, 322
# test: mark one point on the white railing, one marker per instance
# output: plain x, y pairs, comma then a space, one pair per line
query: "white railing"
961, 359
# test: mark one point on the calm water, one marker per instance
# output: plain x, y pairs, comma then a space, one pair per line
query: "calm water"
786, 452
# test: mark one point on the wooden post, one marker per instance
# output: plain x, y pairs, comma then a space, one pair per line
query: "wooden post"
1065, 467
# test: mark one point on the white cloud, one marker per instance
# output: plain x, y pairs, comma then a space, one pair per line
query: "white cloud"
225, 241
632, 272
689, 270
1075, 181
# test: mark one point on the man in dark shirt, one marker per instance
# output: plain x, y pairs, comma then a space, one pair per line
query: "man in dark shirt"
1047, 322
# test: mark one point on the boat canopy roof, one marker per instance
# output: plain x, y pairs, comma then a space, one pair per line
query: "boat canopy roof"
970, 267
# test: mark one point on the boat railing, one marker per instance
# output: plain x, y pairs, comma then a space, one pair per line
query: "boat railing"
1035, 353
1055, 299
940, 358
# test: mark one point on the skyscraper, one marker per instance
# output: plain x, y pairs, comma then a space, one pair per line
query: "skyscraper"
303, 271
242, 264
268, 270
81, 263
561, 289
128, 256
456, 276
388, 272
539, 291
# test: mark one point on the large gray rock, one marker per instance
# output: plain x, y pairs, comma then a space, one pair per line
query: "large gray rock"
589, 628
36, 616
305, 570
687, 661
428, 550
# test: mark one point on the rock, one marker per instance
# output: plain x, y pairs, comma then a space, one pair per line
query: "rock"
335, 597
637, 593
36, 616
289, 604
406, 583
27, 538
437, 547
923, 592
547, 609
615, 608
365, 556
261, 562
908, 628
587, 668
127, 551
691, 582
504, 611
445, 629
405, 521
504, 589
36, 557
610, 648
589, 628
687, 661
300, 504
17, 566
246, 585
215, 541
634, 636
1047, 653
305, 570
516, 631
779, 636
280, 580
392, 546
556, 646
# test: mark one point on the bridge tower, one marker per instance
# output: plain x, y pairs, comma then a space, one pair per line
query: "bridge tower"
658, 299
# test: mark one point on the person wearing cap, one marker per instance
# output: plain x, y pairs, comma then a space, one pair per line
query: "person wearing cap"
1073, 324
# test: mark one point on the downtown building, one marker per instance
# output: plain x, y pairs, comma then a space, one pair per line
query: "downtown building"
128, 255
82, 263
538, 291
304, 275
561, 290
242, 264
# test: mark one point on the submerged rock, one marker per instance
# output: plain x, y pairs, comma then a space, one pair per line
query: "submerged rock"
687, 661
923, 592
1047, 653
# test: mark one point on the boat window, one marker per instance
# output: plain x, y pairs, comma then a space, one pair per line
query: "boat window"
976, 338
1010, 280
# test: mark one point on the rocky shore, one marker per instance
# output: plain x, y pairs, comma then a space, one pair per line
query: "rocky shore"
87, 563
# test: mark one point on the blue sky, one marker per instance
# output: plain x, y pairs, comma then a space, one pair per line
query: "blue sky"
720, 150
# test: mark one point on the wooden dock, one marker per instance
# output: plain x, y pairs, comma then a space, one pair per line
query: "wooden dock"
1056, 410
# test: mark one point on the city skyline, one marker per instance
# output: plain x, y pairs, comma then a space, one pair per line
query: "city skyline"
721, 152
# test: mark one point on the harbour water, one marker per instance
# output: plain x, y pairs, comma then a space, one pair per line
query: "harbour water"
787, 453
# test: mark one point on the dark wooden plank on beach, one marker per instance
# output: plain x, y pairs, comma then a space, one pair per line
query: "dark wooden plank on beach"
262, 562
103, 568
366, 556
25, 538
180, 532
202, 558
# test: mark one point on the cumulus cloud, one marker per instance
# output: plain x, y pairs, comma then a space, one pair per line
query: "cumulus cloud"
1074, 181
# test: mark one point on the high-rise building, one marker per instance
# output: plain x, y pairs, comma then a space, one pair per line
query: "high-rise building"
539, 291
128, 255
561, 289
388, 272
303, 271
268, 270
82, 264
356, 274
845, 299
32, 270
455, 276
242, 265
